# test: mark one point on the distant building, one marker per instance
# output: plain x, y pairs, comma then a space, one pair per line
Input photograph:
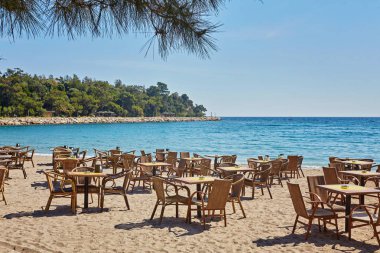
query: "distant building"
168, 114
48, 114
105, 114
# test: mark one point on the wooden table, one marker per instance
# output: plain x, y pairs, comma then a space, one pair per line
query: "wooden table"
361, 175
348, 192
2, 157
13, 151
357, 163
154, 166
236, 169
87, 176
198, 181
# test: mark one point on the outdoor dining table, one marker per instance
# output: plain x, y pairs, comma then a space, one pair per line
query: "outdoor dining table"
357, 163
362, 175
2, 157
87, 176
236, 169
154, 166
12, 151
348, 191
198, 181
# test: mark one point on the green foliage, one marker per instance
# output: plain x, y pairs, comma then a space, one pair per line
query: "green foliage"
22, 95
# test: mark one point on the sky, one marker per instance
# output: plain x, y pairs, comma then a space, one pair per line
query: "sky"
274, 58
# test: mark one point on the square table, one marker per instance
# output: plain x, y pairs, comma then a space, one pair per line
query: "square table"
361, 175
348, 192
198, 181
87, 176
154, 166
357, 163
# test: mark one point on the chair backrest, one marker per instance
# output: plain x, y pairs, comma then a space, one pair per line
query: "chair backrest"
80, 180
181, 168
252, 163
158, 186
263, 175
293, 162
228, 159
218, 196
297, 199
83, 153
69, 164
300, 160
276, 166
30, 153
237, 185
115, 152
313, 182
260, 157
205, 166
171, 160
160, 156
330, 175
128, 161
142, 152
172, 154
184, 154
146, 158
127, 178
339, 166
332, 159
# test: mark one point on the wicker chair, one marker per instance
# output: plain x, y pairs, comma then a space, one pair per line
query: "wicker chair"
113, 159
160, 155
366, 218
171, 158
161, 188
321, 195
236, 190
29, 156
69, 164
3, 173
184, 155
57, 184
113, 188
258, 179
179, 171
217, 200
141, 174
326, 215
275, 171
128, 161
18, 163
292, 167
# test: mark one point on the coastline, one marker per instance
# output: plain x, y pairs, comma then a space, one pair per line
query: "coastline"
25, 121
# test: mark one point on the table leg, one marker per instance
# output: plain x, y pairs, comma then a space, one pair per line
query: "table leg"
199, 211
154, 170
86, 179
348, 210
215, 162
361, 197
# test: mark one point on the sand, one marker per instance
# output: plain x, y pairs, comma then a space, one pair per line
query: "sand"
267, 228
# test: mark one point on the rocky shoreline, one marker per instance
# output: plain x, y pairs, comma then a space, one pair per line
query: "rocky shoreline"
23, 121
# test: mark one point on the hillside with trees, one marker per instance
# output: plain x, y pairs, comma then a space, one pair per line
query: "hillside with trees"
23, 94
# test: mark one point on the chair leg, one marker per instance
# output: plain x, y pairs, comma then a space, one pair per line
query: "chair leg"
262, 190
176, 209
376, 233
5, 201
336, 228
241, 207
126, 200
349, 228
295, 224
204, 219
280, 181
270, 194
154, 210
233, 205
162, 212
24, 172
308, 228
225, 217
48, 203
102, 202
253, 191
32, 162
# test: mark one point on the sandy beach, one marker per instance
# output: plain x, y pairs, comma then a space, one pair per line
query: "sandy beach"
267, 228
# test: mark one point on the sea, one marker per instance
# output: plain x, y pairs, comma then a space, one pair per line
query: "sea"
314, 138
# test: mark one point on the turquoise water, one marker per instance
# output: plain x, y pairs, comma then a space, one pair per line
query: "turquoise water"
314, 138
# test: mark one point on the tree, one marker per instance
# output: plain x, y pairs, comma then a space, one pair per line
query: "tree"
174, 25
